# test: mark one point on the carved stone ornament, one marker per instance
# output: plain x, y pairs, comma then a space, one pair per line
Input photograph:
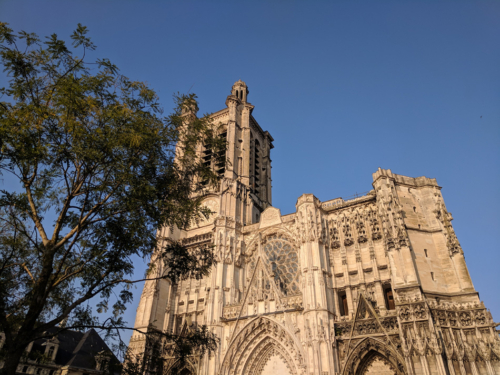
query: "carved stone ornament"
365, 351
420, 312
260, 339
465, 319
405, 313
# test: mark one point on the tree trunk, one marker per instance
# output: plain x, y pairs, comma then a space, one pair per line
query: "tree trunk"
11, 361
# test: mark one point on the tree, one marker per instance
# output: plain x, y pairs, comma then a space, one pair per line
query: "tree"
98, 173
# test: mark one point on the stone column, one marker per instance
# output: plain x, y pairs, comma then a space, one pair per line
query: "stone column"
350, 301
336, 304
409, 365
451, 368
489, 368
440, 365
245, 178
425, 365
473, 368
231, 153
462, 367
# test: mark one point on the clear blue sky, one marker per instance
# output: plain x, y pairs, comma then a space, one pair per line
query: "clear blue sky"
344, 87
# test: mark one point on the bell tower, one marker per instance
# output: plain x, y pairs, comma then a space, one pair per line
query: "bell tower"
247, 174
243, 193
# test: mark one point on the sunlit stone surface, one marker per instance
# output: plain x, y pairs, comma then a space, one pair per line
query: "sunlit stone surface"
375, 283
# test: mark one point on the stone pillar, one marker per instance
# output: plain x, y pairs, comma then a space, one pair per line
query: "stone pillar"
380, 298
425, 365
489, 368
473, 368
245, 178
231, 153
336, 304
409, 365
462, 367
350, 301
440, 365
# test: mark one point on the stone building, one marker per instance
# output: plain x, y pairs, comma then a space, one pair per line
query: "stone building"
376, 284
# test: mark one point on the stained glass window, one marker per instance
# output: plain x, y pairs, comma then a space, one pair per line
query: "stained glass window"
283, 264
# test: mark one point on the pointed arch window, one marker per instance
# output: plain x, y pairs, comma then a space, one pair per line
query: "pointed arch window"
217, 161
257, 166
220, 160
343, 306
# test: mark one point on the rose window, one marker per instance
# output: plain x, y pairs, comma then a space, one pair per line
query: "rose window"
283, 264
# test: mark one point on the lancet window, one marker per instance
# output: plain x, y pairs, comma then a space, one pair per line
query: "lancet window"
220, 158
206, 157
257, 166
215, 161
343, 307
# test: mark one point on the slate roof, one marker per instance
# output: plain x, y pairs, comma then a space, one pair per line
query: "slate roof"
76, 349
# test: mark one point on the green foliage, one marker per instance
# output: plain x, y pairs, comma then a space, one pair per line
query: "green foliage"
166, 354
96, 164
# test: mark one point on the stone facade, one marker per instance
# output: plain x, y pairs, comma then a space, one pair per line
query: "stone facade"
372, 285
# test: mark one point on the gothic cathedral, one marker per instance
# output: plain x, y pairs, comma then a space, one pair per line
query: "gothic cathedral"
372, 285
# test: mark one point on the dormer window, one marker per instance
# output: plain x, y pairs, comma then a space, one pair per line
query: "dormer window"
51, 349
103, 359
50, 352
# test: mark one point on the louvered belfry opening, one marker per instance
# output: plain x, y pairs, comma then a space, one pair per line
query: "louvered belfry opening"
215, 161
206, 157
220, 159
257, 167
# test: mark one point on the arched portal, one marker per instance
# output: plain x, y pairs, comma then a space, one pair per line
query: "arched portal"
268, 356
372, 356
185, 368
263, 347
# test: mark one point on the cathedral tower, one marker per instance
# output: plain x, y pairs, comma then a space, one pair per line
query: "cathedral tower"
372, 284
243, 193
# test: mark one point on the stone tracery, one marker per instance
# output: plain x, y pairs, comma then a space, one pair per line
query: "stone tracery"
363, 353
260, 338
283, 263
